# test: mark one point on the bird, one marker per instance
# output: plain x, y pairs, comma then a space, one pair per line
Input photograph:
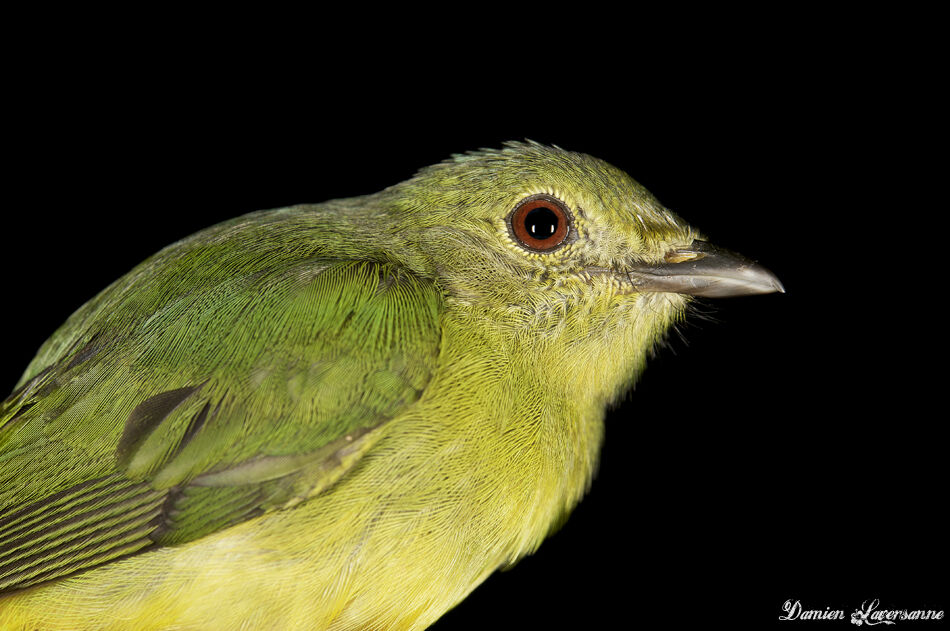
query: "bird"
343, 415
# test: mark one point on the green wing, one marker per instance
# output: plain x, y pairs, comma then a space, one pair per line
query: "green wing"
162, 411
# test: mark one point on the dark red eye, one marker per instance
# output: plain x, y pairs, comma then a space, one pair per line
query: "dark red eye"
540, 222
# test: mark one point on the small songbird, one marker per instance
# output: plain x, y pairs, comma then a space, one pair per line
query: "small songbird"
342, 415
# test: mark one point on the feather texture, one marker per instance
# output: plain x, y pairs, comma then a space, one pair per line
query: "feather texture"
187, 460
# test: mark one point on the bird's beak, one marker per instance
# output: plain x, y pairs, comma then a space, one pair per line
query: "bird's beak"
703, 269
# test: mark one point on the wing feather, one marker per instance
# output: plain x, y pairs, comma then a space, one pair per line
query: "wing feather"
248, 395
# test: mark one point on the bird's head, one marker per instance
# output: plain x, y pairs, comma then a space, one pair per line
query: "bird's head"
543, 243
547, 223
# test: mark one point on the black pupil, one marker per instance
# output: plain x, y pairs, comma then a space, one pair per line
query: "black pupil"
541, 223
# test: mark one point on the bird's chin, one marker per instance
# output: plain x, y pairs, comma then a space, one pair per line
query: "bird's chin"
661, 304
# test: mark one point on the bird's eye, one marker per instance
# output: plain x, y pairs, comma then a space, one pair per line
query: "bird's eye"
540, 222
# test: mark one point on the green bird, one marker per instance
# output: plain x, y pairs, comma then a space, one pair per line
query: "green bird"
344, 415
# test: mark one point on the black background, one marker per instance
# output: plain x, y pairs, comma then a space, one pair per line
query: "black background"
786, 447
